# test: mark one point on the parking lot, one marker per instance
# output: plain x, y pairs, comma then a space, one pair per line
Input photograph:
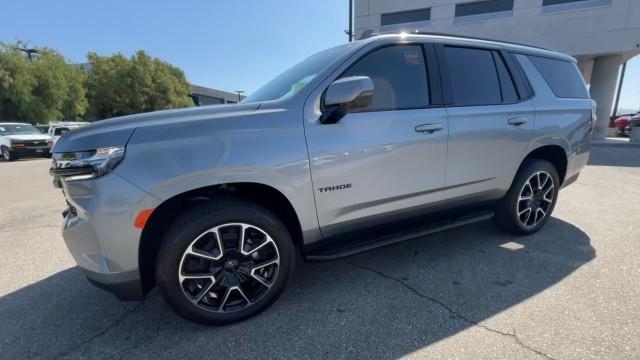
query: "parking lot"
571, 291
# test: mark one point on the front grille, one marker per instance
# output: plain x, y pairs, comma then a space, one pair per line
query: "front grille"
32, 143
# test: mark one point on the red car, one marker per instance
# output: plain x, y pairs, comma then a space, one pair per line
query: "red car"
623, 124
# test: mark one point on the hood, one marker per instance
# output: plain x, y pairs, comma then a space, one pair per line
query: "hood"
117, 131
28, 137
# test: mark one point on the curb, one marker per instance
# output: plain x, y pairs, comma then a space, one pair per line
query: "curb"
616, 144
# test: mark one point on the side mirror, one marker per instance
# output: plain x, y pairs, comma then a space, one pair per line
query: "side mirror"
344, 95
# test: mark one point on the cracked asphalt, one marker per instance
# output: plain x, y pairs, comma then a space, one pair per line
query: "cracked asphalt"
571, 291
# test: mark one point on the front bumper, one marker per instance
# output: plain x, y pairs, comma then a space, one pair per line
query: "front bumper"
30, 151
99, 231
125, 288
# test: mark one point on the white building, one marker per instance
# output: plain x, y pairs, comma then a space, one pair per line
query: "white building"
601, 34
206, 96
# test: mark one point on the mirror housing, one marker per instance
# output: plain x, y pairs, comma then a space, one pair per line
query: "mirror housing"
344, 95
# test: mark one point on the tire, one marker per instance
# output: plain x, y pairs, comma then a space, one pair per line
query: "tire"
535, 187
191, 247
7, 155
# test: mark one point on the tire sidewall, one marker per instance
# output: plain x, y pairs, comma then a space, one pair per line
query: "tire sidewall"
4, 157
194, 223
514, 194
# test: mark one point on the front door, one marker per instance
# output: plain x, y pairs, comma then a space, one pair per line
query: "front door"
386, 159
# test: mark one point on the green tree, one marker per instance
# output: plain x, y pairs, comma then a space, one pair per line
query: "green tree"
119, 86
43, 89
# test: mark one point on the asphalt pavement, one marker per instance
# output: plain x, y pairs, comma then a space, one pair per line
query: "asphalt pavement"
571, 291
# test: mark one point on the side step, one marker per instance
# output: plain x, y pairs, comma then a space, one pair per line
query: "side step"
342, 250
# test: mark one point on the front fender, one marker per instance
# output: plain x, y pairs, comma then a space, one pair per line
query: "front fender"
269, 149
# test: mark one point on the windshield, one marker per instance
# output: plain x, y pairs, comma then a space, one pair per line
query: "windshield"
17, 129
296, 78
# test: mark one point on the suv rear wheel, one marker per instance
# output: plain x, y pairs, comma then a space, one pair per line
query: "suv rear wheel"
224, 261
531, 198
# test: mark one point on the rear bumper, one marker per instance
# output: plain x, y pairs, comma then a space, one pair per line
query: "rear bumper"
575, 163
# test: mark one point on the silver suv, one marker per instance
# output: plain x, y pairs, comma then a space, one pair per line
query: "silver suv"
357, 147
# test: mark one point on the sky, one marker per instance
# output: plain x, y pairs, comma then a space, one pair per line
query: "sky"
227, 45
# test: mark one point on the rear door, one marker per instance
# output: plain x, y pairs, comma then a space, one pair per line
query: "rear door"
388, 158
491, 119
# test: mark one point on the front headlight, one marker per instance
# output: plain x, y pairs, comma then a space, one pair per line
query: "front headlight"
85, 165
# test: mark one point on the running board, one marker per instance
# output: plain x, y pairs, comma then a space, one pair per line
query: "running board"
344, 250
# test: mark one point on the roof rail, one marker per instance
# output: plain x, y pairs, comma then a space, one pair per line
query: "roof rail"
370, 33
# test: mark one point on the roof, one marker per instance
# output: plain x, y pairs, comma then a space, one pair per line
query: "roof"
68, 123
201, 90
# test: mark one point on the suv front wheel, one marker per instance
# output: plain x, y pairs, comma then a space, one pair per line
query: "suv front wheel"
531, 198
224, 261
6, 154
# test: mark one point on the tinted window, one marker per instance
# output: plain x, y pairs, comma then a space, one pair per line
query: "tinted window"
399, 77
60, 131
562, 76
473, 76
406, 17
483, 7
507, 88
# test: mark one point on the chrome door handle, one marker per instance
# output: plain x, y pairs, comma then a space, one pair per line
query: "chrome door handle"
517, 121
428, 128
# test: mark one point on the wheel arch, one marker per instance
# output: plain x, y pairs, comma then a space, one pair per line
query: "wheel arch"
555, 154
164, 214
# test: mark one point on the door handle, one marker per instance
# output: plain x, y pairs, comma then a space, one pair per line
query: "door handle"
517, 121
428, 128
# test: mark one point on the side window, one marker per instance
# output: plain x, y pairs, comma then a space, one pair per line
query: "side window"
507, 87
563, 77
473, 76
60, 131
399, 77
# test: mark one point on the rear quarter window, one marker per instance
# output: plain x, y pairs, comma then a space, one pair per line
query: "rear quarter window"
563, 77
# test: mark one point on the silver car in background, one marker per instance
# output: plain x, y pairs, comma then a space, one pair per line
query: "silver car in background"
359, 146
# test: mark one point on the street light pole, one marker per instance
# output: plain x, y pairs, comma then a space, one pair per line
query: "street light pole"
617, 101
350, 32
29, 52
240, 92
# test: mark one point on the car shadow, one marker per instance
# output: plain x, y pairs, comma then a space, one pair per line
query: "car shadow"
381, 304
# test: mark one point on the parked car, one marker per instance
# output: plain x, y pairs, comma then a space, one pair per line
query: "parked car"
43, 128
634, 122
623, 124
60, 128
19, 140
357, 147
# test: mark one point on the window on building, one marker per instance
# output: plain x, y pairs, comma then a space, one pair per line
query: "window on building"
558, 2
568, 5
483, 7
399, 77
404, 17
563, 77
473, 76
